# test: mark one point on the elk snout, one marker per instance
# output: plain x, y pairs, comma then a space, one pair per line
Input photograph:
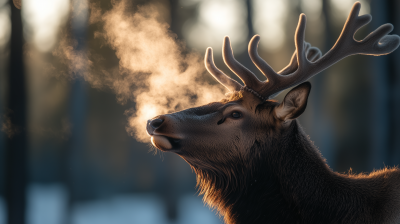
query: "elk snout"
161, 135
153, 124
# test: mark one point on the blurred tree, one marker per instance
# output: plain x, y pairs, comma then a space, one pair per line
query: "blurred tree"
380, 109
2, 105
16, 143
249, 19
393, 7
244, 58
74, 158
324, 135
17, 4
386, 96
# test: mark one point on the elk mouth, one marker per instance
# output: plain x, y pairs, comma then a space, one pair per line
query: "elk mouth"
165, 143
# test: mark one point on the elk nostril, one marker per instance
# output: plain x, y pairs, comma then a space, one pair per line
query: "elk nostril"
156, 123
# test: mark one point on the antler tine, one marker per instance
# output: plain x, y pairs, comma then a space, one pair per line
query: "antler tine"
221, 77
291, 67
300, 43
382, 43
313, 53
248, 78
262, 65
278, 82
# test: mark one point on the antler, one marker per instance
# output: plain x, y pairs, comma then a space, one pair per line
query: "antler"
309, 60
312, 53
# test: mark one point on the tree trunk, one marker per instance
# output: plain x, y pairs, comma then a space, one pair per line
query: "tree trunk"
394, 88
74, 163
380, 119
16, 143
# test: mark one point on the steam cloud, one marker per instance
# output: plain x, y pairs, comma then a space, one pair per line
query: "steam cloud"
155, 70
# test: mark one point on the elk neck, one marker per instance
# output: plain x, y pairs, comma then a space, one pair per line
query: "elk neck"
287, 180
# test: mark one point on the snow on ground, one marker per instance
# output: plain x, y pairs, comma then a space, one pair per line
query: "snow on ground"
47, 205
122, 209
2, 211
193, 211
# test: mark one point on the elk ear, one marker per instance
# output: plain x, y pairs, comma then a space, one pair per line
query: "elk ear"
295, 102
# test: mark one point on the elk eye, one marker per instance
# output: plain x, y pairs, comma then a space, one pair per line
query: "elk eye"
236, 115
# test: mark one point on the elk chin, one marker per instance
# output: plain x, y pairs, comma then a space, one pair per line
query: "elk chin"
161, 142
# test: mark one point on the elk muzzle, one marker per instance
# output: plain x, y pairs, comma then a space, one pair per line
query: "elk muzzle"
163, 141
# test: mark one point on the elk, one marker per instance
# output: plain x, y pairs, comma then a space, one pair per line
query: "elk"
254, 163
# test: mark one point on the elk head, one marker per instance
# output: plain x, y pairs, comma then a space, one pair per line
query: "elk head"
223, 139
205, 135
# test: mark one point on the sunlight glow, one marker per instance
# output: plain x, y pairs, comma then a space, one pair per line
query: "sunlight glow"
150, 110
43, 19
218, 18
269, 18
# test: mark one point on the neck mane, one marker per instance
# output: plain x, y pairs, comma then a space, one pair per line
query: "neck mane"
296, 187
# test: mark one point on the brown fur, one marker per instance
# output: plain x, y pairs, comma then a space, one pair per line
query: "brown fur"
262, 168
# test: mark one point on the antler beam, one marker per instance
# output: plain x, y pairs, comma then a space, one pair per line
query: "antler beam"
307, 60
377, 43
